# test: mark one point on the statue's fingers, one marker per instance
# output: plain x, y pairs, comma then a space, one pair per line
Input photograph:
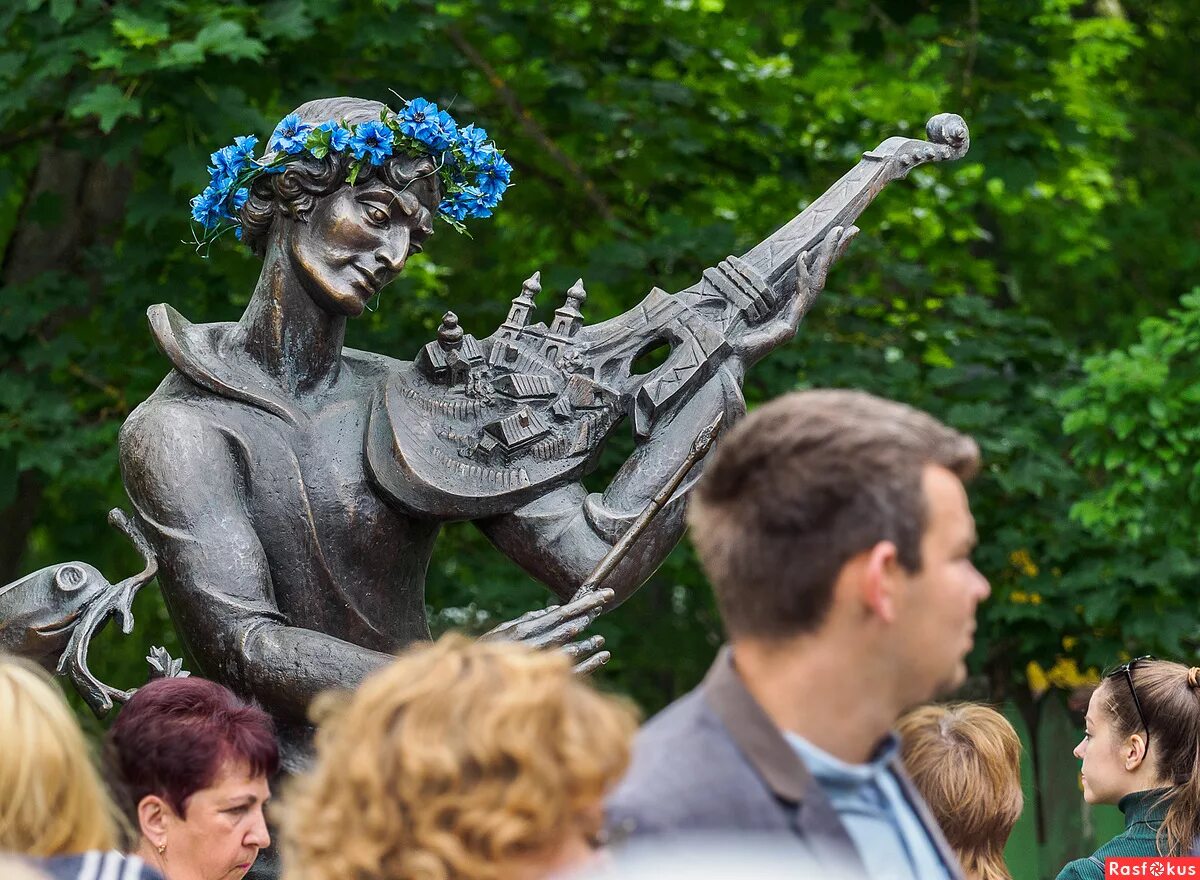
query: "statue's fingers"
593, 601
592, 663
826, 254
561, 634
530, 615
535, 624
584, 648
538, 618
830, 242
804, 266
848, 235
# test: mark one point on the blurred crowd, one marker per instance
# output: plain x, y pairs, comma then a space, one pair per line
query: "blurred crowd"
835, 529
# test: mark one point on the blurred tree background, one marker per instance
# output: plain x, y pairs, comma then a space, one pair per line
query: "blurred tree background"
1034, 294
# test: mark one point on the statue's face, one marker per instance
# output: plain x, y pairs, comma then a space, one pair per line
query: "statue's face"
356, 241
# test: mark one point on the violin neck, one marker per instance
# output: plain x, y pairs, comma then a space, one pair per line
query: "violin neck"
842, 203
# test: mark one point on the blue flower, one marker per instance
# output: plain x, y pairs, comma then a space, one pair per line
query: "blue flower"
490, 183
219, 169
468, 203
427, 123
493, 178
473, 141
207, 207
243, 147
479, 204
289, 135
490, 194
498, 167
219, 179
339, 136
440, 131
412, 117
372, 140
228, 162
453, 209
471, 169
216, 204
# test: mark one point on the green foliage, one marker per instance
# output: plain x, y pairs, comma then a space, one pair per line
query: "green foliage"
1131, 420
650, 140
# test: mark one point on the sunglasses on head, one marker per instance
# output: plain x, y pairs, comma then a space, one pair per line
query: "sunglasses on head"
1126, 669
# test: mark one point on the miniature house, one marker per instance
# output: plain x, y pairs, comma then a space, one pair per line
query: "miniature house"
513, 433
449, 359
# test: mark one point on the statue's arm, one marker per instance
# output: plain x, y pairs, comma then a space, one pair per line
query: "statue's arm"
562, 536
181, 476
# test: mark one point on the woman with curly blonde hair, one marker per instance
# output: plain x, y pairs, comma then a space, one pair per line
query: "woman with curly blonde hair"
461, 760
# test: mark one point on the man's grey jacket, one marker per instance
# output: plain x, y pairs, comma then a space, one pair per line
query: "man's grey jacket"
714, 762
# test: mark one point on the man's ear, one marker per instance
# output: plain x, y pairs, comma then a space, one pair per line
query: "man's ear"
154, 816
881, 581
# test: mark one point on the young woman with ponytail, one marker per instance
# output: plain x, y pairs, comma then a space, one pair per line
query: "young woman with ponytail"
1141, 751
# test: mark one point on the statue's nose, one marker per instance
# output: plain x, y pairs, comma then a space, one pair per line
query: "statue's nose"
394, 253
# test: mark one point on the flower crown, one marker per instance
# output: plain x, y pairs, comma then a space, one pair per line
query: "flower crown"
473, 172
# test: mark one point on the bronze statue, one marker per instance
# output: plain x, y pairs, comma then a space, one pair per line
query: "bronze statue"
290, 490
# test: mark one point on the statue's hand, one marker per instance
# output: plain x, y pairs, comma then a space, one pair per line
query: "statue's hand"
812, 268
557, 625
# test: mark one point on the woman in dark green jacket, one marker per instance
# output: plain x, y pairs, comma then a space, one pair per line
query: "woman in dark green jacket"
1141, 751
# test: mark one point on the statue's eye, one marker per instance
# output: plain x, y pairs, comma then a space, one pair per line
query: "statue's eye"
378, 216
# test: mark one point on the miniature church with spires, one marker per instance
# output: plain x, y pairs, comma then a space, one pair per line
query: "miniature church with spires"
517, 336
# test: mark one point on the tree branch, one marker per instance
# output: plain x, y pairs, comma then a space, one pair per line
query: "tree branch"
972, 49
531, 125
17, 138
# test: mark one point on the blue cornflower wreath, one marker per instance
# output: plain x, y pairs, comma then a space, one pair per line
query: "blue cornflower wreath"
474, 174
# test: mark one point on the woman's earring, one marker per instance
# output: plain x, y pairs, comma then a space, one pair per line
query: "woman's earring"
162, 849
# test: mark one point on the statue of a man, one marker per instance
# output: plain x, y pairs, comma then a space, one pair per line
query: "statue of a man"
285, 569
288, 491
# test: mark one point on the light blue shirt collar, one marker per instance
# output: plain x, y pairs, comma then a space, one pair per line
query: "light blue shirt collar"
827, 768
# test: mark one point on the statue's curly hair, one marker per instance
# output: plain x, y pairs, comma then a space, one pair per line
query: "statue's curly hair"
451, 763
295, 191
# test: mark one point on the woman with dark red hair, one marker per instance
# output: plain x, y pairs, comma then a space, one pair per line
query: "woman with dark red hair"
193, 762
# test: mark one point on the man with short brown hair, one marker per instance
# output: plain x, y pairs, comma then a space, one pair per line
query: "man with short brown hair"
835, 529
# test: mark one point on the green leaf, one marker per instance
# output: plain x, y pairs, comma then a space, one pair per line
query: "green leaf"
109, 104
229, 39
62, 11
318, 142
139, 31
285, 20
185, 54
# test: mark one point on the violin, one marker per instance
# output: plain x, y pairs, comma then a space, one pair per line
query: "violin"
479, 427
